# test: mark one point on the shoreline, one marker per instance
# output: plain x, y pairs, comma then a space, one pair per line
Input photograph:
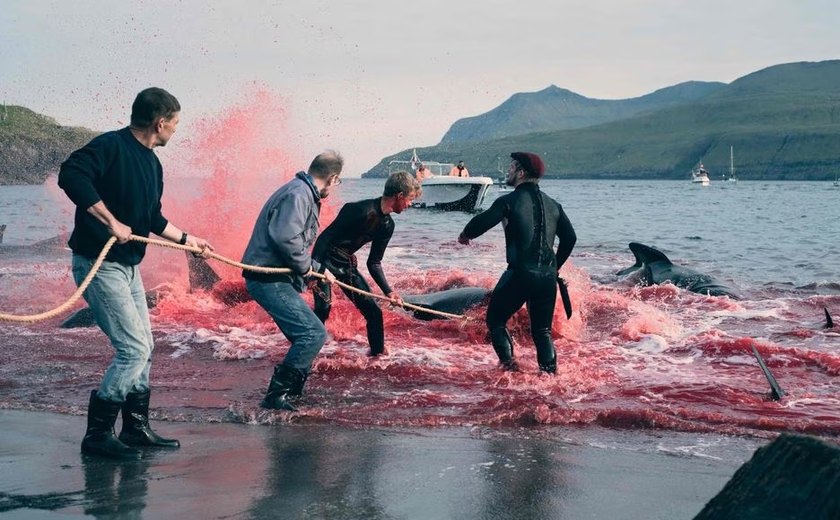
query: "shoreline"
227, 470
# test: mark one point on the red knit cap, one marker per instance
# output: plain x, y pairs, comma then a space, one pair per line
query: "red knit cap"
530, 162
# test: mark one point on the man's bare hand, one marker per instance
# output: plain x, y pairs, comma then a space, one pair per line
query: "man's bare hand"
396, 299
200, 243
121, 231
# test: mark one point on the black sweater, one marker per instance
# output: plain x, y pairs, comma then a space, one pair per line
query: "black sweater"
128, 178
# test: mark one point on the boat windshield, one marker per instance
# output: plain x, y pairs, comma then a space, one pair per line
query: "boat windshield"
436, 168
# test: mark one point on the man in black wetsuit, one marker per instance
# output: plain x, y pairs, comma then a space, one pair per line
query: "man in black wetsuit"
531, 220
357, 224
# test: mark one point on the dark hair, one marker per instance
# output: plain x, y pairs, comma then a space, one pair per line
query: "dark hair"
401, 182
152, 104
325, 164
530, 163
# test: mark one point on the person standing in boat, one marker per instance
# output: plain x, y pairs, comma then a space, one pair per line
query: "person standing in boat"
459, 170
116, 183
357, 224
285, 229
531, 221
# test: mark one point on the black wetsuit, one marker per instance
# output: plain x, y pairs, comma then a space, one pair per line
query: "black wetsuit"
531, 220
356, 224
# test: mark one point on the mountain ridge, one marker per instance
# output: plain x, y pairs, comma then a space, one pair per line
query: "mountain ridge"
783, 122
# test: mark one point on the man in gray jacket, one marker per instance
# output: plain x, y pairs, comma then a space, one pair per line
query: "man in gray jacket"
285, 229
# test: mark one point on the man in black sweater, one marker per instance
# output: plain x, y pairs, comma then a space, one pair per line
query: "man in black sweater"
116, 183
531, 220
357, 224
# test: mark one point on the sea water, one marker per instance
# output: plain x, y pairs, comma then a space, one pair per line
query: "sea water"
630, 356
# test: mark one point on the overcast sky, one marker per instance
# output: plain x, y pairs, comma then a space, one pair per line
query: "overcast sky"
370, 78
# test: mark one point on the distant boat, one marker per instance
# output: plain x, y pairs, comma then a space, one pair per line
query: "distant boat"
700, 176
837, 181
731, 177
440, 190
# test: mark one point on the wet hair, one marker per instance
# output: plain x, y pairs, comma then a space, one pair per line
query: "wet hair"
401, 182
152, 104
325, 164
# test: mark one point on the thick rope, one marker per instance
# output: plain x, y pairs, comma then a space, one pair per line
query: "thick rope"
32, 318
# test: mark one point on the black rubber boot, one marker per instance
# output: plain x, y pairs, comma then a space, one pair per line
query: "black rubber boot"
136, 430
503, 345
285, 380
549, 366
100, 439
546, 355
297, 387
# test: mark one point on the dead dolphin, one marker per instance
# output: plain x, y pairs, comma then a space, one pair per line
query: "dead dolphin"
655, 268
453, 301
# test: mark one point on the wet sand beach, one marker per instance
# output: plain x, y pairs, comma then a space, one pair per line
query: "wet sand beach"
328, 471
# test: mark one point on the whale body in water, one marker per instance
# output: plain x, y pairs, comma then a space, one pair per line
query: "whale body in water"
655, 268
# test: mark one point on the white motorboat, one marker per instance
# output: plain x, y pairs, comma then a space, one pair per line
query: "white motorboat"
442, 191
700, 176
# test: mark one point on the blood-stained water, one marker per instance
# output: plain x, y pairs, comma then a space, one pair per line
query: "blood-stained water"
630, 357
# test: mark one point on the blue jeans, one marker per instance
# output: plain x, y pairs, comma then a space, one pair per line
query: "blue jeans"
117, 300
294, 317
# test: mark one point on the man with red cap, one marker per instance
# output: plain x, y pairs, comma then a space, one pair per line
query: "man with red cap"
531, 220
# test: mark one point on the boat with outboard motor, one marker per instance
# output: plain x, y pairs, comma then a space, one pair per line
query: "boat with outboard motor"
442, 191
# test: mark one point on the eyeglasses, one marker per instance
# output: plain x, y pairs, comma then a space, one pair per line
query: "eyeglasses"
336, 180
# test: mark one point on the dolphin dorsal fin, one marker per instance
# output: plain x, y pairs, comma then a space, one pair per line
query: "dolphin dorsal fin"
646, 254
829, 323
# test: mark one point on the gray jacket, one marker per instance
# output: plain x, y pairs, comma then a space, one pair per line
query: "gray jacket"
284, 232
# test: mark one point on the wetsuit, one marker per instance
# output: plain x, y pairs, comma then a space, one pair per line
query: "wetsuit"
356, 224
531, 220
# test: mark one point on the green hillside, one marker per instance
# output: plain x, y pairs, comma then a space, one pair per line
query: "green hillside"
555, 108
783, 122
33, 145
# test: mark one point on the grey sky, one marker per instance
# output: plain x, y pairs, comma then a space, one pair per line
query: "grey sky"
369, 77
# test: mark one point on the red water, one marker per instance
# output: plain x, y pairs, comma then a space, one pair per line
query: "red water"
630, 357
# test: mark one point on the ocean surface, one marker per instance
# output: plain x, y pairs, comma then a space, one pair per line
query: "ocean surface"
631, 357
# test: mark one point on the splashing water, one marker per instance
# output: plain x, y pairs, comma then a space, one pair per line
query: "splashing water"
630, 357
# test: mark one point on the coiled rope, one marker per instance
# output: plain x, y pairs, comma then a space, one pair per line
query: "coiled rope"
32, 318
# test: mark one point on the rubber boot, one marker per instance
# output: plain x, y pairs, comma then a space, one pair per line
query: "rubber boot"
135, 429
546, 355
100, 439
503, 345
285, 380
549, 366
297, 387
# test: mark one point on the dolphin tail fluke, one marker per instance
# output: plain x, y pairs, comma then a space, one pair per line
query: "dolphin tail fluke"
775, 390
829, 323
202, 276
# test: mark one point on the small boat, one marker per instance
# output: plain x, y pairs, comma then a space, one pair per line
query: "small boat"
837, 182
442, 191
731, 177
700, 176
